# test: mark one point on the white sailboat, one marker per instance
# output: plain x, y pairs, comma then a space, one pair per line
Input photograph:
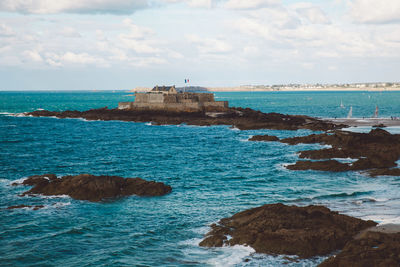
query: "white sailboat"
376, 112
341, 104
350, 114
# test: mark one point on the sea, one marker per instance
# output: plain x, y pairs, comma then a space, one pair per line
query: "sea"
214, 171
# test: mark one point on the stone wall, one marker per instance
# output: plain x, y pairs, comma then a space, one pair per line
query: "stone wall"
149, 98
174, 102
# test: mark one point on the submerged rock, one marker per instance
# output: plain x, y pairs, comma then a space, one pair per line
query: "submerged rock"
267, 138
370, 249
243, 119
25, 206
93, 188
291, 230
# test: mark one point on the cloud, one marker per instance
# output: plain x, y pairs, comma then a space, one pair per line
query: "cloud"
72, 6
32, 56
250, 4
6, 31
70, 32
69, 58
313, 14
209, 45
375, 12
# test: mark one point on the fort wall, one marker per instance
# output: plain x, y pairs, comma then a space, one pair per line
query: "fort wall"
174, 102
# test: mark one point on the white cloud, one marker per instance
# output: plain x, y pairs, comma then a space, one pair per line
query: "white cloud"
70, 32
250, 4
72, 6
5, 31
69, 58
313, 14
32, 55
209, 45
200, 3
375, 12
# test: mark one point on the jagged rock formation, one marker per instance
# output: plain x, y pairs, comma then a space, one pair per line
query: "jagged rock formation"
291, 230
376, 151
244, 119
93, 188
370, 249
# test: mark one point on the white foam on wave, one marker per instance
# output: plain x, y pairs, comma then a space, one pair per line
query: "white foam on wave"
52, 197
148, 124
234, 128
231, 255
18, 181
383, 218
345, 160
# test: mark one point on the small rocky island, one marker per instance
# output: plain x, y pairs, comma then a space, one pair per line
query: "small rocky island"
307, 232
165, 106
93, 188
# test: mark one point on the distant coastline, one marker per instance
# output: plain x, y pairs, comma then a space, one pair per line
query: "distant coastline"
373, 87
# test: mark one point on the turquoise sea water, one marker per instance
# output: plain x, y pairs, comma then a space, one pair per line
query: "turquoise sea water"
214, 172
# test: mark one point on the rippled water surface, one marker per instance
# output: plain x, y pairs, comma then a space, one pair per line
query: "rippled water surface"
214, 172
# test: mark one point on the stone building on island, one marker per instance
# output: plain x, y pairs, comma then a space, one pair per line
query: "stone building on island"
168, 98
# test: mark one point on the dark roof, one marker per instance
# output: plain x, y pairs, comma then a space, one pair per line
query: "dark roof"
162, 88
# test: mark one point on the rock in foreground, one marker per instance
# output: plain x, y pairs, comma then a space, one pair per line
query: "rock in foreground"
93, 188
291, 230
370, 249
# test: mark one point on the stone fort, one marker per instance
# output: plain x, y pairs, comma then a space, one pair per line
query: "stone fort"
168, 98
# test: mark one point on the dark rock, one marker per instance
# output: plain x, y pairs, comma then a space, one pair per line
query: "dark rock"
326, 165
267, 138
280, 229
377, 149
94, 188
379, 125
371, 249
244, 119
25, 206
381, 172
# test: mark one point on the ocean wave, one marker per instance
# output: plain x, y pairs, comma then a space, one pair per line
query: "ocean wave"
231, 256
343, 195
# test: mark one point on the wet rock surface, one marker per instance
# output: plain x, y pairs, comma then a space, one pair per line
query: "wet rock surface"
291, 230
370, 249
25, 206
265, 138
376, 151
93, 188
244, 119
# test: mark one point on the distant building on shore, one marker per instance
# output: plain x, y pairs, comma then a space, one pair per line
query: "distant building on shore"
168, 98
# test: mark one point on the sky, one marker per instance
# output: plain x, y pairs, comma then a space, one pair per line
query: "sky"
124, 44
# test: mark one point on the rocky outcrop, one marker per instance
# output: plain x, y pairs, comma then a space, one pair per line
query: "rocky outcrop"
244, 119
325, 165
382, 172
265, 138
93, 188
370, 249
291, 230
377, 151
25, 206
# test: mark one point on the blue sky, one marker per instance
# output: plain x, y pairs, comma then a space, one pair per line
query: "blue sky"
123, 44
